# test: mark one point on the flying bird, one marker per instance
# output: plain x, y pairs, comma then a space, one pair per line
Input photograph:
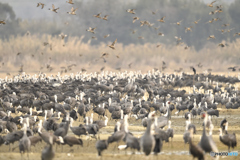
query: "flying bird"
41, 4
53, 8
105, 17
70, 1
112, 45
236, 34
161, 20
2, 22
211, 4
135, 18
211, 37
131, 11
196, 22
73, 11
62, 35
98, 15
188, 29
233, 68
90, 29
106, 36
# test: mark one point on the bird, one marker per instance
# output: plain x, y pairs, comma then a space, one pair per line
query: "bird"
48, 152
107, 35
161, 20
90, 29
160, 34
134, 19
222, 44
131, 11
112, 45
195, 150
233, 35
194, 70
40, 4
211, 4
70, 1
62, 36
73, 11
147, 141
53, 8
170, 131
24, 142
188, 29
105, 17
228, 139
211, 37
101, 145
2, 22
196, 22
233, 68
206, 142
98, 15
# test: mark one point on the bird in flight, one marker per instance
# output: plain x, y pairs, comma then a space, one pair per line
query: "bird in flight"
131, 11
91, 30
112, 45
161, 20
233, 68
41, 4
2, 22
53, 9
62, 35
211, 37
105, 17
70, 1
196, 22
211, 4
73, 11
135, 18
98, 15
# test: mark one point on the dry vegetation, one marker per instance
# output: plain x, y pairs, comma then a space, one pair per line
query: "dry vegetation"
34, 55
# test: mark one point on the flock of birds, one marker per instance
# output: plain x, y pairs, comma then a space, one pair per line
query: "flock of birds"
43, 100
218, 10
44, 108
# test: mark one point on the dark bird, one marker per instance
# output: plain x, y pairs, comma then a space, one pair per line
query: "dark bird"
194, 70
101, 145
48, 152
195, 150
233, 68
24, 143
147, 141
228, 139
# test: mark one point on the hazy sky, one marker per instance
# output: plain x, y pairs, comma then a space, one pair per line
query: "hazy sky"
26, 9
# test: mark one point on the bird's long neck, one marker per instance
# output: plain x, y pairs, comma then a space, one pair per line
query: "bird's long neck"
148, 127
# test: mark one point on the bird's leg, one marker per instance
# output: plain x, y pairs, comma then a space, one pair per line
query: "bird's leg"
130, 157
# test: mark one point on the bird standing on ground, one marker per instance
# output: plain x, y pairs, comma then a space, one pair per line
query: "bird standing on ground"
147, 141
